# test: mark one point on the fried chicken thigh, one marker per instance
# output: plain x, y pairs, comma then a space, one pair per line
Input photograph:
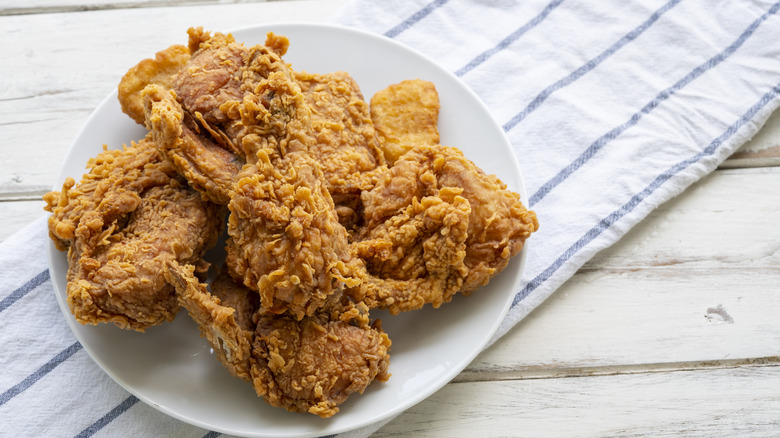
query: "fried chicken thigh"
121, 224
436, 225
310, 365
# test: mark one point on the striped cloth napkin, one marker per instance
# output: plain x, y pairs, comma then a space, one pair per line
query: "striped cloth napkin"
612, 107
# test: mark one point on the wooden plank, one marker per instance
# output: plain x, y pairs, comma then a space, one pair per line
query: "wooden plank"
55, 72
762, 150
18, 7
713, 403
18, 214
695, 281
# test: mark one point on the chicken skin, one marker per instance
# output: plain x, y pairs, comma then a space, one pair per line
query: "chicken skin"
405, 115
225, 104
436, 225
120, 225
310, 365
158, 70
345, 142
285, 238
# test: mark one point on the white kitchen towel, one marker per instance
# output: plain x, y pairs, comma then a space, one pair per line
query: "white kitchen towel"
612, 107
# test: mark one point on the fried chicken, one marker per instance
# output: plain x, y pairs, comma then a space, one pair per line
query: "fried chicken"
335, 208
315, 364
406, 115
436, 225
120, 225
158, 71
224, 314
209, 168
310, 365
285, 238
345, 143
226, 103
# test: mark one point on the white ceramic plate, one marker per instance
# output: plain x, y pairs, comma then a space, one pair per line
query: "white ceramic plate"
172, 369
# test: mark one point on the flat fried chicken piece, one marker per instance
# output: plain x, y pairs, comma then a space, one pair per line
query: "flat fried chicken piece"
345, 142
121, 224
158, 70
312, 365
406, 115
476, 226
285, 239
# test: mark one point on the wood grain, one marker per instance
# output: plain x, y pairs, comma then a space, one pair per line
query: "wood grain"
707, 403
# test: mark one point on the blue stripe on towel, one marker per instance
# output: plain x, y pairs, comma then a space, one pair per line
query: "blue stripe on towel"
39, 373
650, 106
482, 57
126, 404
588, 66
629, 206
24, 290
416, 17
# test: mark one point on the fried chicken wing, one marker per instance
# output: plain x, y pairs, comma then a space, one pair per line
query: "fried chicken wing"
285, 238
310, 365
345, 141
406, 115
436, 225
126, 218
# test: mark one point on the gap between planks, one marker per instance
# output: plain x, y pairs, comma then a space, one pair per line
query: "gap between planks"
613, 370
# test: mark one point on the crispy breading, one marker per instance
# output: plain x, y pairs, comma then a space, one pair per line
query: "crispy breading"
345, 142
310, 365
121, 223
406, 115
224, 314
285, 239
436, 225
158, 70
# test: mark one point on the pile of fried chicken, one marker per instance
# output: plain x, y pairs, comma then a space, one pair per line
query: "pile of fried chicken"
332, 207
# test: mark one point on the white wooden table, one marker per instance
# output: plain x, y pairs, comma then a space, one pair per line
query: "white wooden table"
673, 331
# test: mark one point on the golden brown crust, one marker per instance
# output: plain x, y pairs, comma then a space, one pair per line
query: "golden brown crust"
285, 239
436, 225
121, 224
406, 115
158, 70
228, 331
345, 142
315, 364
